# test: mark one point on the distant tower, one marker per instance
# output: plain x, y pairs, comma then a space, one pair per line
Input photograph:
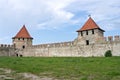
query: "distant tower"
89, 33
22, 39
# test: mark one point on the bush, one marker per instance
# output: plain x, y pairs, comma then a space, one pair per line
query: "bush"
108, 53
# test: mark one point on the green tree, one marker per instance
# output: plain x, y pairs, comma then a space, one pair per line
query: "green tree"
108, 53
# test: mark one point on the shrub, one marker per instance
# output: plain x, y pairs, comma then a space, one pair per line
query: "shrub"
108, 53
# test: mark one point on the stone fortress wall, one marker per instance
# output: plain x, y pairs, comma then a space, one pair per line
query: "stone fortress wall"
90, 42
66, 49
7, 50
69, 49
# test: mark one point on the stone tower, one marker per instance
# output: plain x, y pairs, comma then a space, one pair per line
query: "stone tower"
90, 33
22, 39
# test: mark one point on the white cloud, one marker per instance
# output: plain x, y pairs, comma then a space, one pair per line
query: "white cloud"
38, 11
55, 14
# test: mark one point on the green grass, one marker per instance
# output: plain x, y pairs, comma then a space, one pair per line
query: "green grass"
73, 68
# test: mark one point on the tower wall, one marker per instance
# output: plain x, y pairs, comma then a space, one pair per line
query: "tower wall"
21, 43
22, 39
91, 35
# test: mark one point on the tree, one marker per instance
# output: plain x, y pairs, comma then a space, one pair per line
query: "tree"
108, 53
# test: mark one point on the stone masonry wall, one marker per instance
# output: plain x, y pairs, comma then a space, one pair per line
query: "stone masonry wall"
7, 50
70, 49
66, 49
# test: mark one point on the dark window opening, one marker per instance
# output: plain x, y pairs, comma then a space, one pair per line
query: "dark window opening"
23, 47
87, 42
23, 38
81, 33
86, 32
92, 31
17, 55
18, 38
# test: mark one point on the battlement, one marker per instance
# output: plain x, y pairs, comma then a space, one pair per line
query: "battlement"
49, 45
6, 46
70, 43
109, 39
113, 38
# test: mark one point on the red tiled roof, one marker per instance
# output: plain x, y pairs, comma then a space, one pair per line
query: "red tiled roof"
23, 33
90, 24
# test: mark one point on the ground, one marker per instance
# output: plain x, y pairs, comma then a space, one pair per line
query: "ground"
60, 68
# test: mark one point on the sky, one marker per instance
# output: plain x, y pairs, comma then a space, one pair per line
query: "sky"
50, 21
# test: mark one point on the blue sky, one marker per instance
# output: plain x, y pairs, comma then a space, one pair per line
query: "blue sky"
50, 21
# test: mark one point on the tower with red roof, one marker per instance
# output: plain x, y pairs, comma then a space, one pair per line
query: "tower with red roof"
89, 33
22, 39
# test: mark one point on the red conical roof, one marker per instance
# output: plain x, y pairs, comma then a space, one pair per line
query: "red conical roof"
90, 24
23, 33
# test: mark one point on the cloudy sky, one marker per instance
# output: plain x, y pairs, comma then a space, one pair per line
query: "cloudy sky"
56, 20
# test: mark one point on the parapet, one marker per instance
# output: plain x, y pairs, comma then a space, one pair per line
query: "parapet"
6, 46
117, 38
111, 39
102, 40
49, 45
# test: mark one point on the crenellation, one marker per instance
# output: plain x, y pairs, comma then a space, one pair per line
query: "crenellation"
117, 38
6, 46
9, 45
110, 38
1, 45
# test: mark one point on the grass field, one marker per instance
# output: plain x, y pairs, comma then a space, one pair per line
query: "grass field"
71, 68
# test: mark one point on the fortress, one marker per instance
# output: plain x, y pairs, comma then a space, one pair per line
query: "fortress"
89, 42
